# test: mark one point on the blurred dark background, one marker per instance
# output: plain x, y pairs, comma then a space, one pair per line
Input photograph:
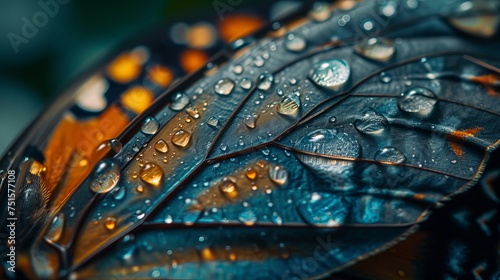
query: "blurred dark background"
77, 36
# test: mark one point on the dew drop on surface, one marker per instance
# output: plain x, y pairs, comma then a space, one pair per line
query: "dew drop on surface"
330, 74
378, 49
56, 228
194, 113
418, 100
372, 123
161, 146
323, 209
248, 217
105, 176
213, 121
229, 189
224, 87
118, 193
150, 126
289, 106
251, 173
237, 69
191, 217
168, 219
265, 81
390, 155
278, 175
151, 174
276, 219
320, 12
385, 78
179, 101
251, 121
246, 83
181, 138
110, 223
332, 119
113, 145
295, 43
388, 8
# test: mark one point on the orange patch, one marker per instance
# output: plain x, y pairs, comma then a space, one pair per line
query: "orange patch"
458, 136
125, 68
192, 60
486, 81
161, 75
239, 25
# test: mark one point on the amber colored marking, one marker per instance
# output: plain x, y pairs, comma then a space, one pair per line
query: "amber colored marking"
125, 68
238, 25
458, 136
161, 75
192, 60
74, 141
419, 196
137, 99
486, 81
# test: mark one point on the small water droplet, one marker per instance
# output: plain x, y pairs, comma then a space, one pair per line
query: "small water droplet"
237, 69
323, 209
332, 119
191, 217
419, 100
213, 121
119, 193
390, 155
320, 12
251, 173
179, 101
161, 146
193, 112
229, 189
276, 218
168, 219
150, 126
378, 49
248, 217
56, 228
330, 74
278, 175
181, 138
265, 81
259, 61
224, 87
295, 43
388, 8
151, 174
372, 123
246, 83
289, 106
251, 121
113, 145
110, 223
105, 176
385, 78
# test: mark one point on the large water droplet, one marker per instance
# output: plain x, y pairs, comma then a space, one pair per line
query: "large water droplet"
229, 189
289, 106
323, 209
372, 123
320, 11
251, 121
113, 145
265, 81
179, 101
246, 83
181, 138
105, 176
56, 228
161, 146
330, 74
191, 217
278, 175
248, 217
224, 87
295, 43
151, 174
119, 193
150, 126
418, 100
379, 49
390, 155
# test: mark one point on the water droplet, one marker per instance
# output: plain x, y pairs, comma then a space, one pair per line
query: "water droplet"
323, 209
181, 138
191, 217
161, 146
276, 218
320, 11
251, 121
151, 174
56, 228
418, 100
332, 119
372, 123
224, 87
237, 69
213, 121
390, 155
330, 74
251, 173
105, 176
246, 83
150, 126
265, 81
278, 175
119, 193
289, 106
113, 145
259, 61
179, 101
168, 219
388, 8
110, 223
295, 43
248, 217
229, 189
385, 78
378, 49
